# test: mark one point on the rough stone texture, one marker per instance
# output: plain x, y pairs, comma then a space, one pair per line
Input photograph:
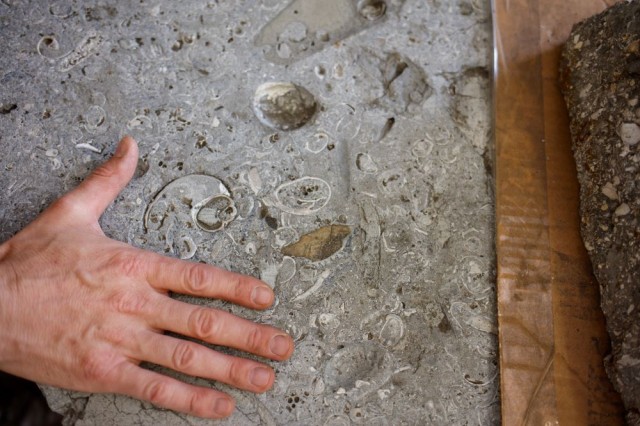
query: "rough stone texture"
601, 83
397, 325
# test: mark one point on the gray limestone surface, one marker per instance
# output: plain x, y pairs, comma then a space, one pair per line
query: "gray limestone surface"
601, 69
373, 220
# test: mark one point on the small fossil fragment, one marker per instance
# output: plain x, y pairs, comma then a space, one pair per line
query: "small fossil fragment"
283, 106
187, 248
392, 331
317, 143
200, 199
86, 48
365, 163
286, 271
319, 244
303, 196
214, 213
403, 83
48, 47
307, 26
364, 362
372, 10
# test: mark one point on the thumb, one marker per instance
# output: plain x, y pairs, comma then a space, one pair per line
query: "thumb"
99, 190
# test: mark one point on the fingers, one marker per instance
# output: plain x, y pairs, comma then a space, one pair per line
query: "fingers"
196, 360
173, 394
222, 328
203, 280
99, 190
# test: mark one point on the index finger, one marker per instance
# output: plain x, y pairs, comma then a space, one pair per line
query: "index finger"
199, 279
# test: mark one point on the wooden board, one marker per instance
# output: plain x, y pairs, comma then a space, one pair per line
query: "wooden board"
552, 333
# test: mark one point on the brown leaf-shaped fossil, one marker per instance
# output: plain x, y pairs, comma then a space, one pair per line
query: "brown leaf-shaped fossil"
319, 244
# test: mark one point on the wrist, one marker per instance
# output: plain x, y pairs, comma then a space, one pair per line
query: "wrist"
6, 274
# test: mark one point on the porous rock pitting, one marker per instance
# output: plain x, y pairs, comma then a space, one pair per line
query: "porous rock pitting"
601, 83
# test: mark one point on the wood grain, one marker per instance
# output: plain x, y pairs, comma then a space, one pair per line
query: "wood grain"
552, 335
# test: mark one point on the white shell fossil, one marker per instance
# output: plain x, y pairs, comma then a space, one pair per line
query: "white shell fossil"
303, 196
283, 106
287, 270
392, 331
317, 143
372, 10
199, 200
214, 213
365, 163
365, 362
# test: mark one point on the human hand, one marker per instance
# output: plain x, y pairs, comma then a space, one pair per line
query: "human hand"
81, 311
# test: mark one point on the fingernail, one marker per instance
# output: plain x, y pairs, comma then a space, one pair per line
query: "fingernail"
261, 296
280, 345
223, 406
260, 377
122, 149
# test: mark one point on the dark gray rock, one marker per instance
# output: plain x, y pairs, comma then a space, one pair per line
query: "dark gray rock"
601, 84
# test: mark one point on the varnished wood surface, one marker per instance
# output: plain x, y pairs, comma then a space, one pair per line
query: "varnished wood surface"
552, 333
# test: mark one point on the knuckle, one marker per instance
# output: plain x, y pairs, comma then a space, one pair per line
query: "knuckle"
236, 373
128, 263
238, 287
113, 335
106, 170
66, 205
203, 323
128, 302
157, 392
183, 356
196, 278
254, 340
98, 366
198, 404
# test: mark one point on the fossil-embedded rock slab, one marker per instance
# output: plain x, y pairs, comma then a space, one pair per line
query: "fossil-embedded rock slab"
396, 327
602, 89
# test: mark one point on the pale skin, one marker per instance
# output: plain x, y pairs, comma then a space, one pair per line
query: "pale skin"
80, 311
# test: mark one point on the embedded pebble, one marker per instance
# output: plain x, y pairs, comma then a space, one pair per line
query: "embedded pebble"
283, 106
295, 31
610, 191
629, 133
283, 50
623, 210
